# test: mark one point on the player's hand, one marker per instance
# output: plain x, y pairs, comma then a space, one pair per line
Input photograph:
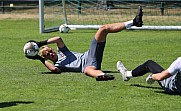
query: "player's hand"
38, 43
149, 79
41, 43
36, 57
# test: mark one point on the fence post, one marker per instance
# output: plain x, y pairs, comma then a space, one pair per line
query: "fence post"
162, 8
2, 5
79, 6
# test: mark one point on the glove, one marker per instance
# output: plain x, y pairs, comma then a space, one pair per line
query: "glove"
149, 79
36, 57
41, 43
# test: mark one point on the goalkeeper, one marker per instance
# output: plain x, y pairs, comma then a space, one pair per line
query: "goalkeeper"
169, 79
89, 62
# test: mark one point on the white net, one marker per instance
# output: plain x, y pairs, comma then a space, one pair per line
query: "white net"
158, 14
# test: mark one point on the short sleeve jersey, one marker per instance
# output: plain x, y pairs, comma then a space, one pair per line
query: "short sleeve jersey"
175, 70
175, 67
69, 61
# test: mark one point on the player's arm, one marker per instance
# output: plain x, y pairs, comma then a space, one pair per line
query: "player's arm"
51, 67
59, 43
161, 76
52, 40
56, 40
158, 76
173, 69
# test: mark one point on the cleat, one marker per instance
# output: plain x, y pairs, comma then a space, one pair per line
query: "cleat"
122, 70
104, 77
137, 21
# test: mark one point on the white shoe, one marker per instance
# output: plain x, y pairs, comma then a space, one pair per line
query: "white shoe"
149, 79
122, 70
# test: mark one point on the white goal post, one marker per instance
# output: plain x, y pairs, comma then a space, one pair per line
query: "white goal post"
90, 14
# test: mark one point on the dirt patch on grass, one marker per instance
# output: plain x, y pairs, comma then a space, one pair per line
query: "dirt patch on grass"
18, 16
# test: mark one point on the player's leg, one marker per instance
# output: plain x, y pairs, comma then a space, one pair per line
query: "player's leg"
153, 67
93, 61
103, 31
93, 57
98, 74
100, 38
92, 71
95, 53
148, 66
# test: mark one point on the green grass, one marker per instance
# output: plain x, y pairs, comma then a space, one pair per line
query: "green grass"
26, 85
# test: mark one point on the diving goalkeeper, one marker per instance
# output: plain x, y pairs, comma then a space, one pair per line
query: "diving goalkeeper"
89, 62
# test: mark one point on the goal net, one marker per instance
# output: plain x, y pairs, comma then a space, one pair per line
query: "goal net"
90, 14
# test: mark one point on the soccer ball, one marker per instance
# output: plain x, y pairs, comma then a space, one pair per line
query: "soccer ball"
64, 29
31, 49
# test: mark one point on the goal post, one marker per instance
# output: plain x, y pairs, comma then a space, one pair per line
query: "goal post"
41, 16
90, 14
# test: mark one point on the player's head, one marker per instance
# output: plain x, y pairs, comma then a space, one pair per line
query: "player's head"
48, 53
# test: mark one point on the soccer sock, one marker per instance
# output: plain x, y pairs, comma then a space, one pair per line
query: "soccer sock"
128, 24
129, 74
101, 74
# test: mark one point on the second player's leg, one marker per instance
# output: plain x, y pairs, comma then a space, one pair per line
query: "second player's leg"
148, 66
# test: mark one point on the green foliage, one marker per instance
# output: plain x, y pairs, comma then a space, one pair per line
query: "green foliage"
27, 85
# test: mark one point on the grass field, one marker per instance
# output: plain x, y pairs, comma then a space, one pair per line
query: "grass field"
26, 85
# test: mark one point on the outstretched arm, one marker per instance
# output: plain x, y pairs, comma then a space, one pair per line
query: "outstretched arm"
52, 40
56, 40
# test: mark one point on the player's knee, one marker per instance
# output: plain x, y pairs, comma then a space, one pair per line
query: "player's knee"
89, 70
149, 61
103, 28
59, 38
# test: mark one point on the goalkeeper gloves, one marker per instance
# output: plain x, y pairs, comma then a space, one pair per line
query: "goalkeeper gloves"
149, 79
41, 43
36, 57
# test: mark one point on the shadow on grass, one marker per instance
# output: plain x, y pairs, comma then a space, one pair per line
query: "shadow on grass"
110, 71
54, 73
13, 103
78, 72
149, 87
161, 91
47, 73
